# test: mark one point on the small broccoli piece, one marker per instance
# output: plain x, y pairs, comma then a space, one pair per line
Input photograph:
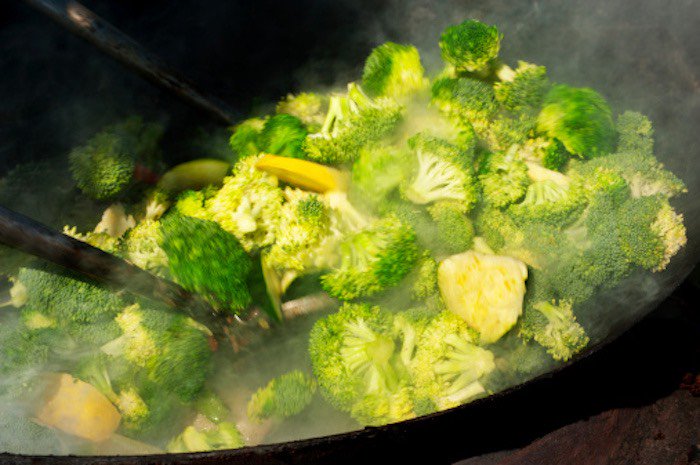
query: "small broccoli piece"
378, 171
485, 290
354, 358
466, 99
524, 90
104, 167
579, 118
554, 326
205, 259
248, 205
353, 121
393, 70
506, 131
223, 436
373, 259
470, 46
443, 173
173, 349
448, 366
283, 397
549, 202
424, 278
141, 247
635, 133
455, 232
503, 178
409, 326
651, 232
305, 242
310, 108
549, 153
283, 135
193, 203
245, 140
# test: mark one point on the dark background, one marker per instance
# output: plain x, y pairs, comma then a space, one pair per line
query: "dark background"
56, 90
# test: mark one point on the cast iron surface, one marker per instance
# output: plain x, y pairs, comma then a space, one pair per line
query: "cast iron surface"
643, 56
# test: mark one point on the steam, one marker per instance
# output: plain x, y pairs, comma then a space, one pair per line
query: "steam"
641, 55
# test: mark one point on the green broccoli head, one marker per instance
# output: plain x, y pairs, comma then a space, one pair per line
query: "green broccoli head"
141, 247
550, 202
579, 118
455, 231
283, 397
635, 133
525, 90
372, 259
310, 108
651, 232
353, 355
378, 171
554, 326
470, 46
448, 365
352, 122
283, 135
503, 178
506, 131
245, 140
443, 173
205, 259
466, 99
549, 153
393, 70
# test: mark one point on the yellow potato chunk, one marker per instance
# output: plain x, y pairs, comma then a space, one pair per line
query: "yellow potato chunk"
77, 408
486, 290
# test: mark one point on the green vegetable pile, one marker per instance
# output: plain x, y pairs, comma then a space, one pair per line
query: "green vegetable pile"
464, 219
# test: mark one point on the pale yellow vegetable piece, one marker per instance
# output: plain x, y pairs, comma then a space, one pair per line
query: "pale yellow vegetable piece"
304, 174
76, 408
486, 290
195, 175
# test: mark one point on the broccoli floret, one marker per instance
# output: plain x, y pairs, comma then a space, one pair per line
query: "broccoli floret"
467, 100
455, 232
245, 140
506, 131
393, 70
448, 366
470, 46
304, 242
193, 203
248, 205
104, 167
283, 397
378, 171
554, 326
283, 135
223, 436
579, 118
551, 203
423, 278
443, 173
373, 259
549, 153
141, 247
205, 259
310, 108
635, 133
66, 299
651, 232
173, 350
354, 358
353, 121
524, 89
503, 178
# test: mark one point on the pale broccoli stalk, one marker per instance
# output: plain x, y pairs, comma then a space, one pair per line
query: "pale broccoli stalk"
353, 121
448, 366
554, 326
222, 436
471, 46
580, 119
283, 397
443, 173
395, 71
310, 108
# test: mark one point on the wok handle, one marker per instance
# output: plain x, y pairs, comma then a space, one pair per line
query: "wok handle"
30, 236
110, 40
